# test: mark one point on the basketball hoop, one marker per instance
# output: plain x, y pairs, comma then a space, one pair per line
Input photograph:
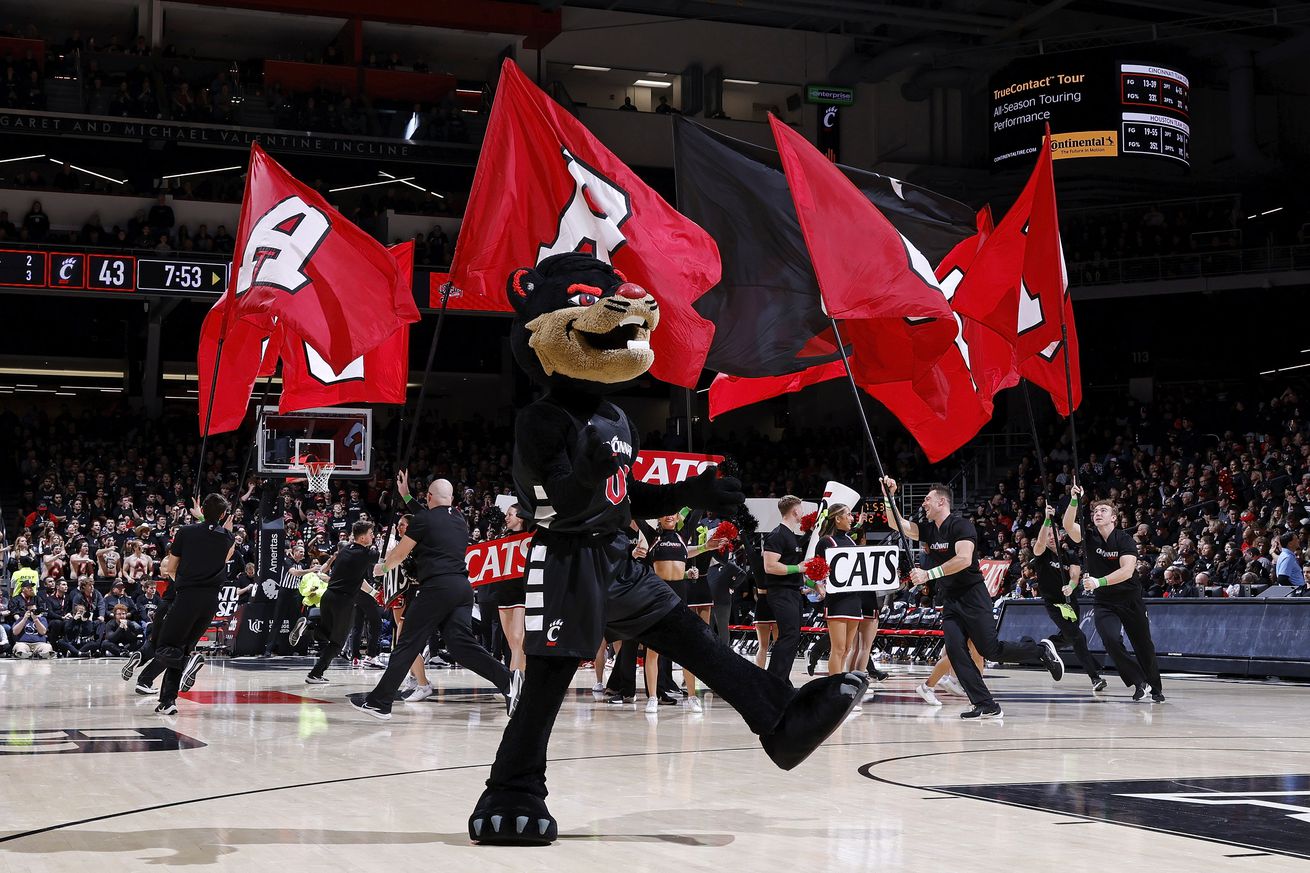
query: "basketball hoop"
318, 474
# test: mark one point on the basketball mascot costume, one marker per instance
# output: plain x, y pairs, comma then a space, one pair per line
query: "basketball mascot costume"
582, 331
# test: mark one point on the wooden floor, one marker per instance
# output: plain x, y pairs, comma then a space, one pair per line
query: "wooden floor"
262, 773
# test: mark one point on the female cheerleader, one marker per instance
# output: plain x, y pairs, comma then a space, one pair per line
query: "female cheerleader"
668, 555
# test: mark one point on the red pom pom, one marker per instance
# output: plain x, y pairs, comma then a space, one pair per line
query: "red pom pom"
816, 568
725, 531
807, 522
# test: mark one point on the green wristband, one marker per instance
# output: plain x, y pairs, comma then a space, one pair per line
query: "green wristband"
1101, 581
936, 573
1046, 523
1073, 502
793, 568
407, 498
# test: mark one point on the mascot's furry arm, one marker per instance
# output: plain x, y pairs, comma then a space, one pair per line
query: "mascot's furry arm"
705, 491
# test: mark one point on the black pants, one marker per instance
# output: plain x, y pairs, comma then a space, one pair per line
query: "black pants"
786, 604
368, 625
1113, 619
967, 617
721, 578
445, 601
756, 695
286, 611
623, 675
187, 621
1071, 634
665, 684
336, 613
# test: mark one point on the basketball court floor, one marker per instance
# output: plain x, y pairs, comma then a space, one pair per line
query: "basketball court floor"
261, 772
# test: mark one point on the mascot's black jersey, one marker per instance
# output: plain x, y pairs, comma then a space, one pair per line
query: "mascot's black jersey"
535, 464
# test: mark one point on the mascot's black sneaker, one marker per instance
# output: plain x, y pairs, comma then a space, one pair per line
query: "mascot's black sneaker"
1139, 692
1098, 684
133, 661
512, 818
192, 668
359, 700
817, 710
1051, 660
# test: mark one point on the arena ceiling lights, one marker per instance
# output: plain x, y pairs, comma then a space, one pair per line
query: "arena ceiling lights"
203, 172
593, 69
411, 184
651, 83
742, 81
24, 158
88, 172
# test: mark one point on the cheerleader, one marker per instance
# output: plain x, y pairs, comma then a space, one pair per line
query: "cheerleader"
668, 555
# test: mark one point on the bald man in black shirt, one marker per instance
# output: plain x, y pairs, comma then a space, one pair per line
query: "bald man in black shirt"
438, 537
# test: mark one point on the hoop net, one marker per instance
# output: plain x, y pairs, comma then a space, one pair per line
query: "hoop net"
318, 474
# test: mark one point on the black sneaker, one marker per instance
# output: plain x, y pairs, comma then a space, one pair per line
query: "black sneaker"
515, 691
192, 668
360, 702
1051, 658
879, 676
619, 700
1157, 697
311, 679
992, 711
133, 661
166, 709
1139, 692
669, 700
298, 631
1098, 684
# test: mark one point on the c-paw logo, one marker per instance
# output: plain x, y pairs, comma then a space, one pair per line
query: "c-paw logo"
552, 632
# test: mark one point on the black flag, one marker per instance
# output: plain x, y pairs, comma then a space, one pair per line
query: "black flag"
766, 308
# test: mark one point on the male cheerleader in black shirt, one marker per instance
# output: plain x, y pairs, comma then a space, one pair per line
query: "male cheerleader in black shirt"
438, 536
350, 567
1111, 558
950, 543
197, 563
1056, 578
783, 552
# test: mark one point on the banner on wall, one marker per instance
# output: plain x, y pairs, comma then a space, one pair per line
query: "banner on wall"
994, 575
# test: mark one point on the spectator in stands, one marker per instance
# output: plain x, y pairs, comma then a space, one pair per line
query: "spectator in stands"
223, 241
139, 47
119, 635
627, 105
80, 635
7, 227
664, 108
1289, 567
147, 106
65, 180
161, 218
89, 597
121, 104
36, 224
34, 95
29, 629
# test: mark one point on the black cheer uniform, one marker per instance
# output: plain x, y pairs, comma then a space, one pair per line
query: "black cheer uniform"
1119, 609
785, 600
511, 593
846, 605
443, 598
336, 611
967, 609
1052, 572
201, 550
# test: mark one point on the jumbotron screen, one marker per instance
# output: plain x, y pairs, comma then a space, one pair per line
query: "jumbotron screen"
1097, 107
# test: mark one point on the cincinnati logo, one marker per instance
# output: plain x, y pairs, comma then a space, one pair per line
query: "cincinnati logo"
1106, 553
66, 269
938, 547
619, 447
552, 633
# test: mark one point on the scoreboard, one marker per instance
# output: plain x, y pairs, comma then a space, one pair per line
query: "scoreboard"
127, 274
1097, 106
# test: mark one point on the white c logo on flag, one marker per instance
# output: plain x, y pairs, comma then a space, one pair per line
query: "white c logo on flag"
280, 245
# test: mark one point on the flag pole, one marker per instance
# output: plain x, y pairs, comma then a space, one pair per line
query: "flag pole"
245, 468
1068, 394
403, 460
868, 433
1037, 444
209, 412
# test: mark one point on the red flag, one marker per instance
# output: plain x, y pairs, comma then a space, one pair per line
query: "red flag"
1046, 368
240, 364
544, 185
379, 376
733, 392
299, 261
867, 270
988, 355
1016, 284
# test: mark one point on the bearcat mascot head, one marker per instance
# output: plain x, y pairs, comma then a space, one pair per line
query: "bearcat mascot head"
580, 324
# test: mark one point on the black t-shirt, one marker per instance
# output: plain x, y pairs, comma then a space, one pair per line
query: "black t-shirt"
1102, 556
353, 564
535, 464
201, 550
939, 545
668, 546
786, 544
442, 537
1052, 575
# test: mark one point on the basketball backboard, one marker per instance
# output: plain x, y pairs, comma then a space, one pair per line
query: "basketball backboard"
340, 434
